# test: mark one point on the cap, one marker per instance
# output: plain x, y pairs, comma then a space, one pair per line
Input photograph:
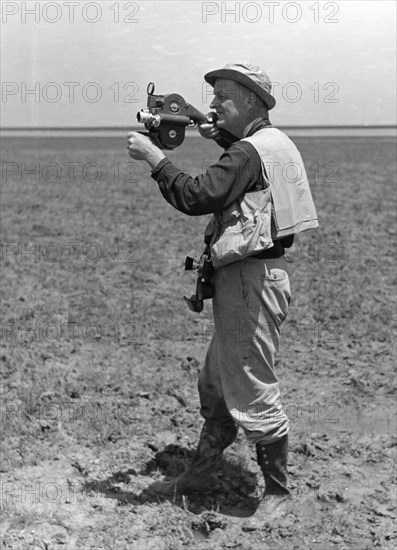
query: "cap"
251, 76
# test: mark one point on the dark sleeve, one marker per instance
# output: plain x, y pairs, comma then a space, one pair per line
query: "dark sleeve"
225, 139
237, 170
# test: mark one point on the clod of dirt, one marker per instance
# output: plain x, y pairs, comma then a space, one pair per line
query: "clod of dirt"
47, 395
190, 364
305, 449
383, 511
83, 471
143, 394
124, 477
166, 404
208, 521
44, 426
59, 538
286, 526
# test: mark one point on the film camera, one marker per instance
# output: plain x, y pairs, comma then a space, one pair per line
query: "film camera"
167, 117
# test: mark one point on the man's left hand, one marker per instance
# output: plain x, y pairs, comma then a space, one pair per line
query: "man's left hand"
141, 148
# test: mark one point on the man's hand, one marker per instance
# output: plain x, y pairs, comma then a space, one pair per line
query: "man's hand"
209, 131
141, 148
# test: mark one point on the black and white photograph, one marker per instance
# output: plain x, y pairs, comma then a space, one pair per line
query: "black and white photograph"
198, 275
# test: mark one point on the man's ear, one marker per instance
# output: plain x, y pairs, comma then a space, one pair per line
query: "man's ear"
251, 100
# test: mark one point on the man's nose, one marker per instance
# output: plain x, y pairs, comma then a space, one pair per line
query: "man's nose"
214, 103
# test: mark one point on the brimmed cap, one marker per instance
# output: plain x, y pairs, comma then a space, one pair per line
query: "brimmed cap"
250, 76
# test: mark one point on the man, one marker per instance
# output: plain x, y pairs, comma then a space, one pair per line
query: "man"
259, 196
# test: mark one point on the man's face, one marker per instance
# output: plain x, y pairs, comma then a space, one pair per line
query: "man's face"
230, 104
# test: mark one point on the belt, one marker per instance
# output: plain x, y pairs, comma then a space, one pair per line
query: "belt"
274, 252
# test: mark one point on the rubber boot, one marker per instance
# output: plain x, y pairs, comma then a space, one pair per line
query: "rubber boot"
272, 459
200, 476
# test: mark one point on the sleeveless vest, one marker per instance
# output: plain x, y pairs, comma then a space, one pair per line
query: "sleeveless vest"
258, 217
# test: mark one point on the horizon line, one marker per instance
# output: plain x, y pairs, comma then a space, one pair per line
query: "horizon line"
123, 128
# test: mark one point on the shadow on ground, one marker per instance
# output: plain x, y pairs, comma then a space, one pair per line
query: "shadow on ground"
237, 497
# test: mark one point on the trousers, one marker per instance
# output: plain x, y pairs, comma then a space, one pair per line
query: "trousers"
237, 382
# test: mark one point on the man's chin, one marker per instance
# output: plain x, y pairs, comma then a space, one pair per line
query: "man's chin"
221, 123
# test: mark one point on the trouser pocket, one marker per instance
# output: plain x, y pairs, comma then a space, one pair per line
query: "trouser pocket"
266, 286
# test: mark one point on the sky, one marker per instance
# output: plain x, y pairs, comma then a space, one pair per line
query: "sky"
84, 63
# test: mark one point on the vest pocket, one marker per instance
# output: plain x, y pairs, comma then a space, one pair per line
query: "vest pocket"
244, 229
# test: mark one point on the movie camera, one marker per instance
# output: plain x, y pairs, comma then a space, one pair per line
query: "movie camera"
167, 117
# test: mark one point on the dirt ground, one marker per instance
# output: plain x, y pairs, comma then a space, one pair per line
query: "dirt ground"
99, 356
